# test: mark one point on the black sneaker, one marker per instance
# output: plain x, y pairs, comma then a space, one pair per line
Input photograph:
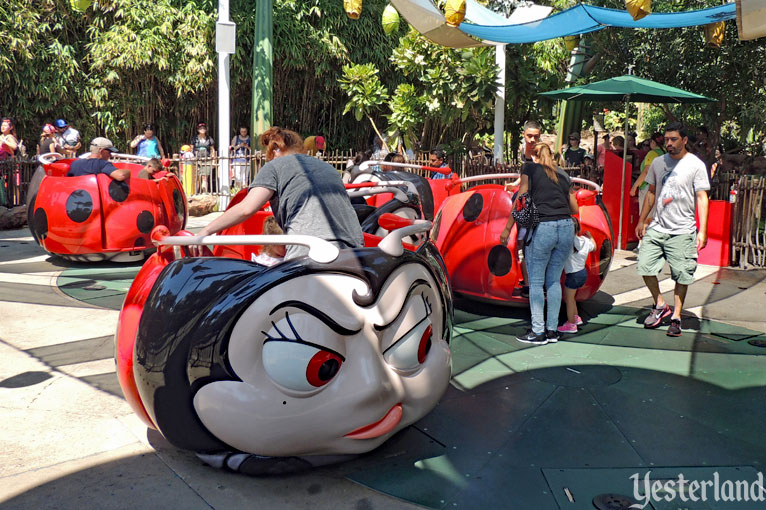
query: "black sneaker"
675, 327
552, 335
530, 337
656, 315
525, 291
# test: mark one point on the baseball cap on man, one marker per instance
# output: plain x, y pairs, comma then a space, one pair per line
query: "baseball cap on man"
575, 135
60, 123
100, 143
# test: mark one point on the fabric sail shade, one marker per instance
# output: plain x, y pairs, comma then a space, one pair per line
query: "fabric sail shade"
751, 19
583, 19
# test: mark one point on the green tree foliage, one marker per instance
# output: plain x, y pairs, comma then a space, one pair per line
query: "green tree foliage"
109, 69
366, 93
40, 61
150, 60
448, 94
313, 40
121, 63
732, 74
456, 89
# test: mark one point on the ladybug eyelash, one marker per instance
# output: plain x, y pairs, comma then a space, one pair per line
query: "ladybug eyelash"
426, 304
298, 339
282, 336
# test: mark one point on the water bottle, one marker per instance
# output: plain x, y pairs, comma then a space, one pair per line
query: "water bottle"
733, 193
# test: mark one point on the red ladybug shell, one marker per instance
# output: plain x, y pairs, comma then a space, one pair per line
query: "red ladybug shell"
94, 217
467, 233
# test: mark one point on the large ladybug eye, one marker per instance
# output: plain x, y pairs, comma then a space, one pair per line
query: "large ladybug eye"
411, 350
299, 366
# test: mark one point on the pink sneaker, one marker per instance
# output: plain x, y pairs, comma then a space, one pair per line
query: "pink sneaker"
567, 327
578, 320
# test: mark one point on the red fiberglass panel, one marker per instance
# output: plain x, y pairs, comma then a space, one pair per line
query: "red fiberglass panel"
468, 238
251, 226
443, 188
131, 209
467, 232
127, 327
612, 181
96, 214
592, 220
67, 215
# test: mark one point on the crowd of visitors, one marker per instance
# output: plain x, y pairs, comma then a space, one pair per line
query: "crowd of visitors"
671, 177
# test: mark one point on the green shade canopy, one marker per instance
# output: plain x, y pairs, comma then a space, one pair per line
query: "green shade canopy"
627, 88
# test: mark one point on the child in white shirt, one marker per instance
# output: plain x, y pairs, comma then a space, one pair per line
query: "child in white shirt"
574, 267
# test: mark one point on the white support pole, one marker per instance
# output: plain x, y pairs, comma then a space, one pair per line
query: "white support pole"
500, 104
225, 46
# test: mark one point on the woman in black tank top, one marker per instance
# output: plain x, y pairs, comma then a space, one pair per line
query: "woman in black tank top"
551, 243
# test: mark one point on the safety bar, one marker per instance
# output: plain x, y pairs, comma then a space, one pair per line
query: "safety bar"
319, 250
587, 183
516, 176
486, 177
374, 184
392, 243
50, 157
367, 164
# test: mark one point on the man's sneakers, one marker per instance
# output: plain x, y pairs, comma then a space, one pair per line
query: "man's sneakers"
675, 327
530, 337
656, 315
552, 336
655, 319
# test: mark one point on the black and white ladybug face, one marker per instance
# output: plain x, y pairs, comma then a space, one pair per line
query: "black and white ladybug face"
321, 374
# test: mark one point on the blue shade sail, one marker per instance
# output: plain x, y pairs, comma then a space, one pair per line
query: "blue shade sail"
582, 19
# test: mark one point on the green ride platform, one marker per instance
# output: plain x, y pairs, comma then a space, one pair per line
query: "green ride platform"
553, 426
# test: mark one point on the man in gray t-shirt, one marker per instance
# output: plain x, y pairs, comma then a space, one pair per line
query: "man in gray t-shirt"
678, 187
676, 183
309, 198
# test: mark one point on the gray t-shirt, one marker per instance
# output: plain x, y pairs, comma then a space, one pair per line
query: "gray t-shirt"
676, 182
310, 199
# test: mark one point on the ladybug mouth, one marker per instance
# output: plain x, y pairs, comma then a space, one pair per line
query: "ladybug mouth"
379, 428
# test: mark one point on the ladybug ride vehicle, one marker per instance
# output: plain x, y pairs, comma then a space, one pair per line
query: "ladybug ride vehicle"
467, 232
266, 369
94, 217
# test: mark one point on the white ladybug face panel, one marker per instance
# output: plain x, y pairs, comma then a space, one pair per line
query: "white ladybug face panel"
322, 375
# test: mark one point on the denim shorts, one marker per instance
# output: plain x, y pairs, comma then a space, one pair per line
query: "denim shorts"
576, 280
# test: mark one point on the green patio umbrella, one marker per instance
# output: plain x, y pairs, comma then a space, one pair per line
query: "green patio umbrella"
630, 89
627, 88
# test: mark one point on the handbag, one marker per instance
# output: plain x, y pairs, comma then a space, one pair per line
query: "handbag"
527, 217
